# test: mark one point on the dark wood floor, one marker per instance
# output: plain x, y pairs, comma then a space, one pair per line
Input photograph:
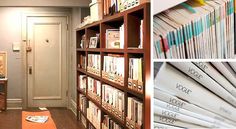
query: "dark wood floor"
63, 118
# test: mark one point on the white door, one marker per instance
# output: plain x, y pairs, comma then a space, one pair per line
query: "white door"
47, 83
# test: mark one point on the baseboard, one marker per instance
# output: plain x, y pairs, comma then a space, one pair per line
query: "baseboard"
73, 106
14, 103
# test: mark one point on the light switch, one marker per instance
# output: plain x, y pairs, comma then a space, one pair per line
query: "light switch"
16, 46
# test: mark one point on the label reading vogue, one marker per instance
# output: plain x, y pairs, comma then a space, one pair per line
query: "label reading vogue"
183, 89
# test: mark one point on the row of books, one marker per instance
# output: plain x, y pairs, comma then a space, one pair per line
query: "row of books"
94, 64
82, 61
94, 89
115, 38
114, 6
179, 86
194, 30
94, 114
113, 68
108, 123
113, 100
134, 119
135, 80
83, 103
82, 82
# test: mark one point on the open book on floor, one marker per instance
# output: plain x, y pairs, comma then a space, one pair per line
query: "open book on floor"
37, 119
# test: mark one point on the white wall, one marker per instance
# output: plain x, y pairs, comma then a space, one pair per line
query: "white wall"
77, 15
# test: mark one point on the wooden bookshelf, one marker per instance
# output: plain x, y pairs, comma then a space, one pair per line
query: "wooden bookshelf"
162, 5
131, 19
3, 94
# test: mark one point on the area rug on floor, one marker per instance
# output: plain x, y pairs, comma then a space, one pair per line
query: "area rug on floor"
30, 125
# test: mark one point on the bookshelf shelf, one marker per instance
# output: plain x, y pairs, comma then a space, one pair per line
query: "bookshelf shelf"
135, 50
80, 91
120, 87
93, 49
114, 117
80, 49
113, 50
139, 95
131, 20
93, 76
94, 101
81, 70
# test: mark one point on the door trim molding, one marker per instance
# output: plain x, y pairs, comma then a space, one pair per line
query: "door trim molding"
25, 16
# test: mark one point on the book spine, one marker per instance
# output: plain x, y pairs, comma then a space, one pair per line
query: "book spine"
226, 71
168, 98
174, 122
177, 109
197, 74
214, 74
189, 90
165, 126
171, 114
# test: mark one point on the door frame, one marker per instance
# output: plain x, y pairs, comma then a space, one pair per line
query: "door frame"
25, 16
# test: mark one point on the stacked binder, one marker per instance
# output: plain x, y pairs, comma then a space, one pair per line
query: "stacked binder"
193, 30
199, 95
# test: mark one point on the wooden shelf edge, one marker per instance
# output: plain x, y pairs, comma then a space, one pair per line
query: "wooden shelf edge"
139, 95
82, 92
93, 49
81, 70
107, 112
113, 84
135, 50
81, 49
122, 123
115, 50
93, 76
94, 101
88, 25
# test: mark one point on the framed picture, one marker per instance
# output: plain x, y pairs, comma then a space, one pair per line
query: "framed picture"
93, 42
3, 64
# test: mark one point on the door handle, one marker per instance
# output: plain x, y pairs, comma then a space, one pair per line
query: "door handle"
30, 69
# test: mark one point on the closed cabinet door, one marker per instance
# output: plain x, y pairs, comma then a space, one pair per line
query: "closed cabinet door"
46, 57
